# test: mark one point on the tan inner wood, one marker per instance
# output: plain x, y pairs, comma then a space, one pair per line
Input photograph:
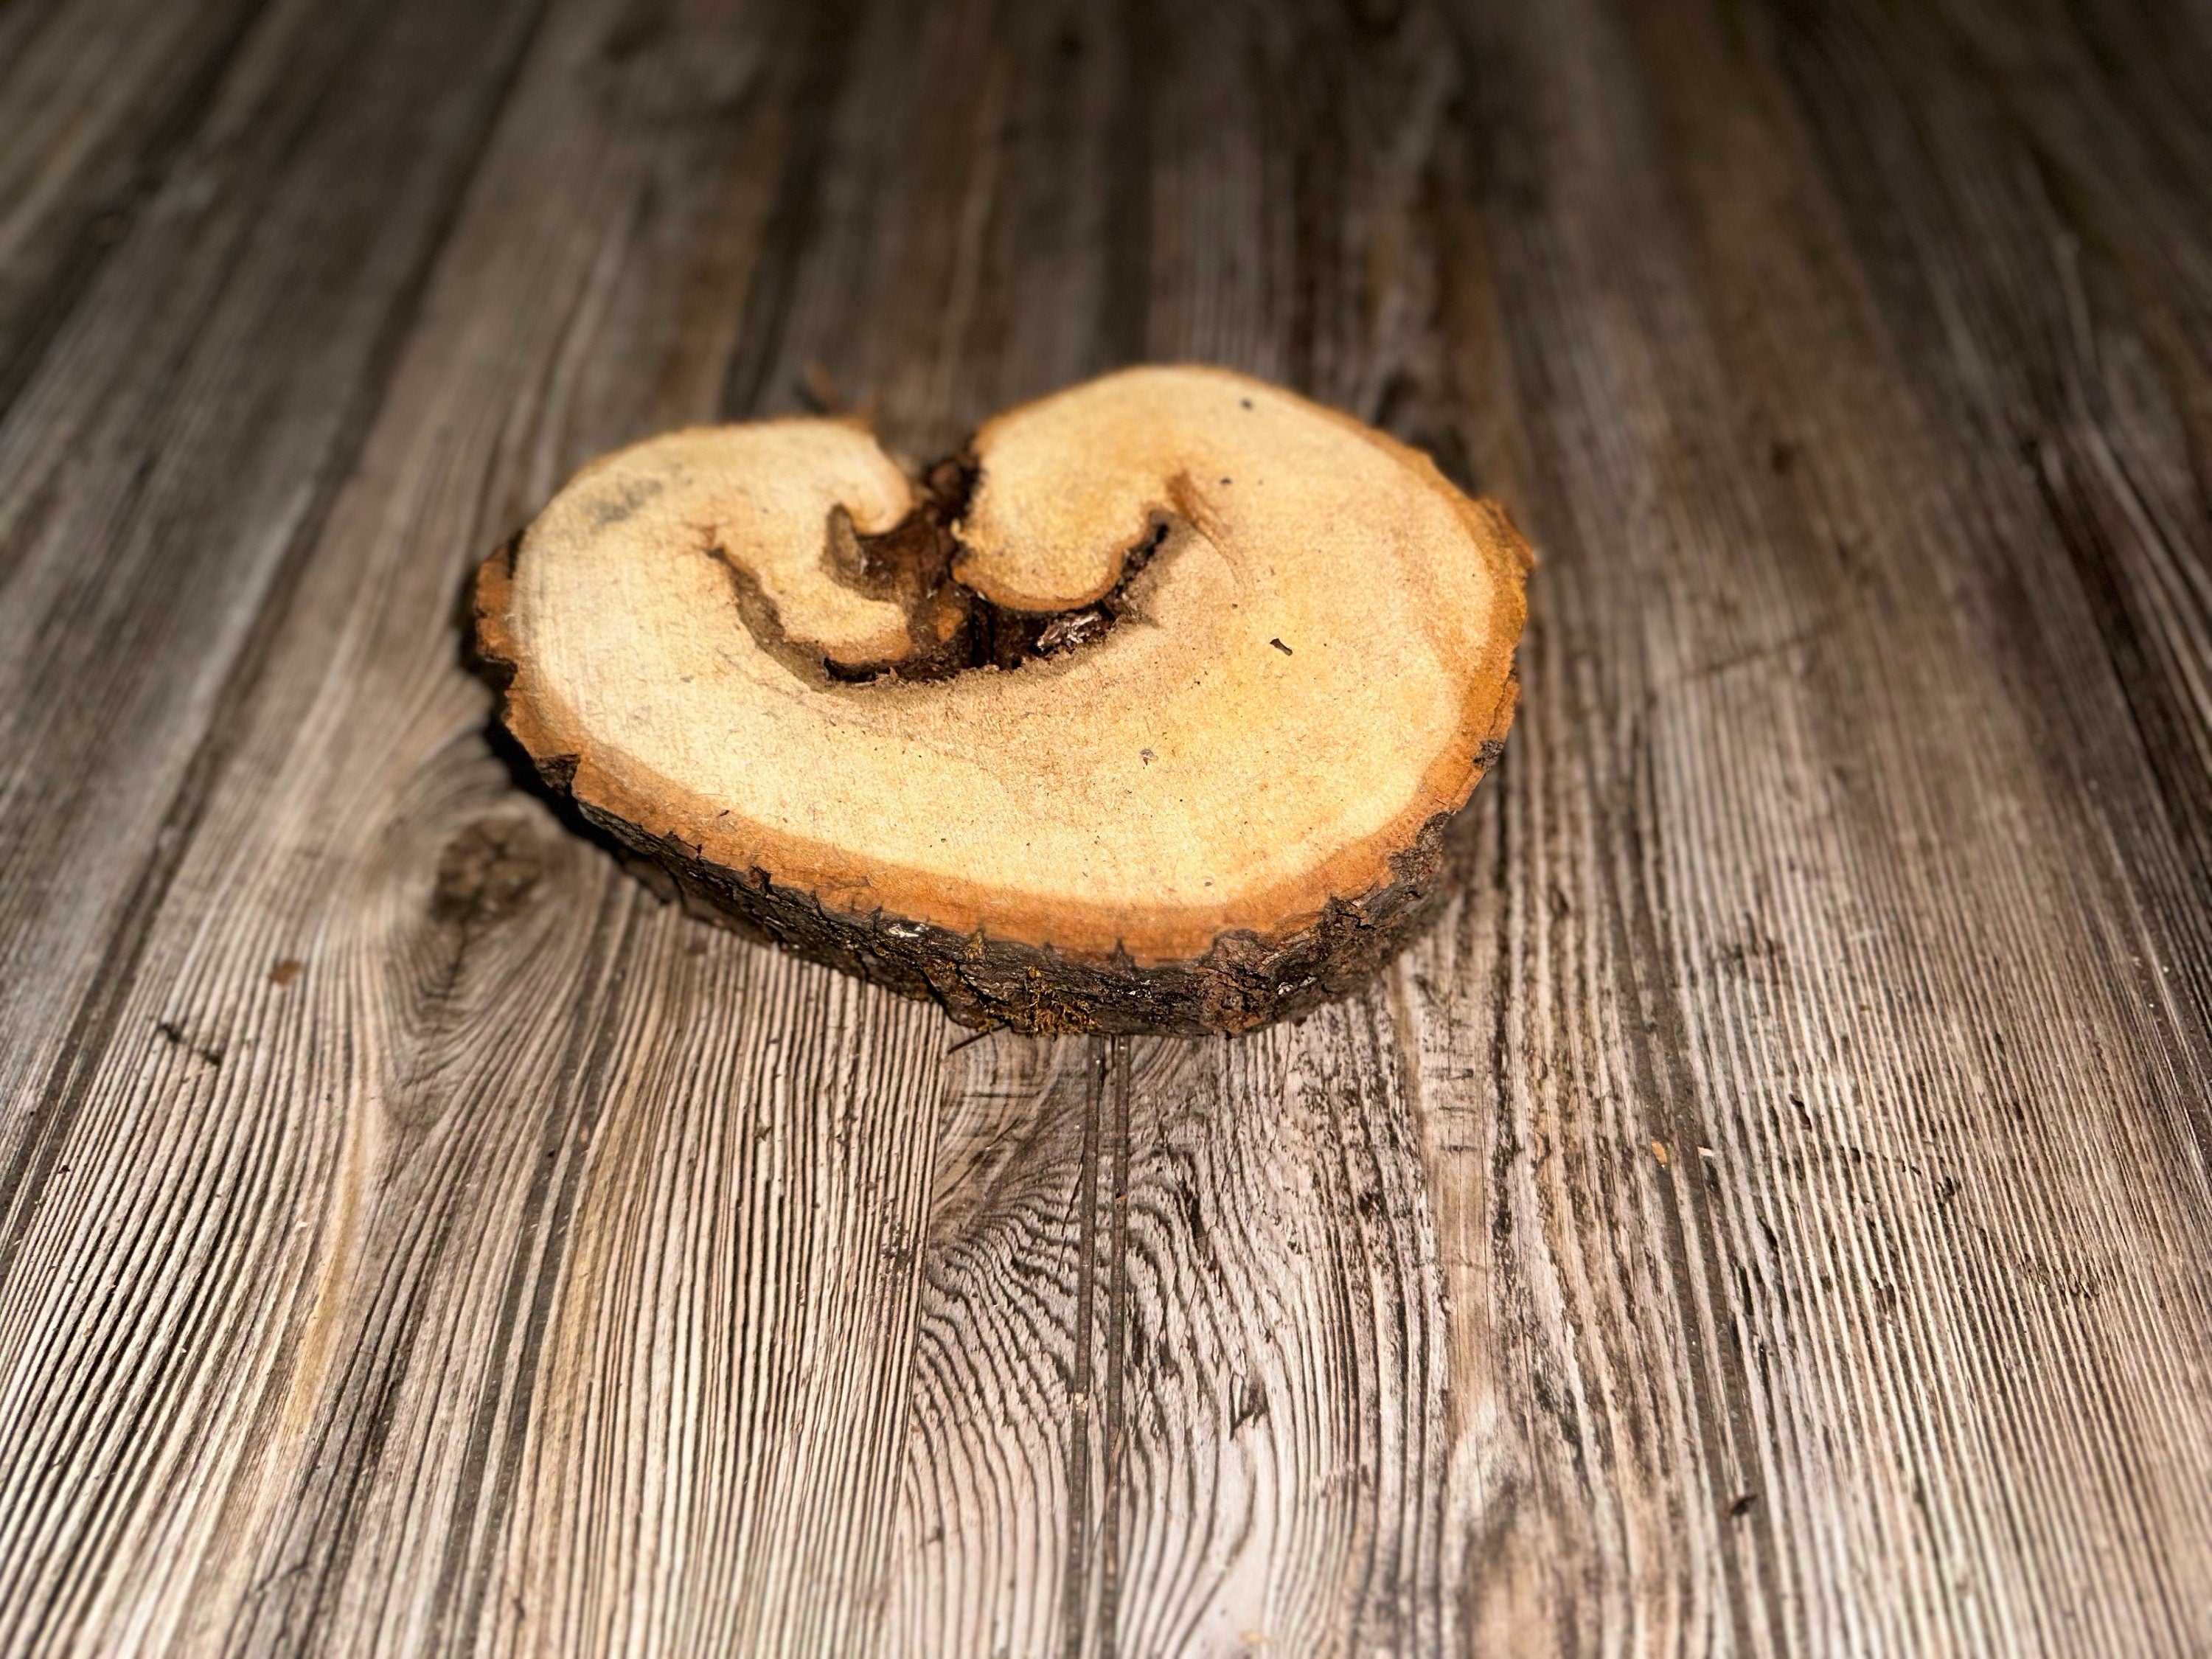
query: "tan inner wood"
1320, 646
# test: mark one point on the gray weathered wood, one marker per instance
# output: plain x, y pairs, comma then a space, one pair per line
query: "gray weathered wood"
105, 90
166, 463
1765, 1216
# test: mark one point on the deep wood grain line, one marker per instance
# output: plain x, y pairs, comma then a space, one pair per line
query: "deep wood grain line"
2161, 718
1366, 1180
1409, 1612
1076, 1572
1421, 1617
38, 319
1112, 1422
825, 44
1499, 1216
62, 1095
2164, 714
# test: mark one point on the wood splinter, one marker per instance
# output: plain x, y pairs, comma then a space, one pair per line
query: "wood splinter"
1145, 713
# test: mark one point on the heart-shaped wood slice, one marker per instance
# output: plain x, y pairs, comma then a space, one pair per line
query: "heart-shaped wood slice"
1145, 712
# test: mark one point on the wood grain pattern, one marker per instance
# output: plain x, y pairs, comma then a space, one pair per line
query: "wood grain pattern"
164, 468
106, 90
1765, 1216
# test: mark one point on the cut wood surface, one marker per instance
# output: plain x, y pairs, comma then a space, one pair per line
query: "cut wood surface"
1766, 1213
1028, 740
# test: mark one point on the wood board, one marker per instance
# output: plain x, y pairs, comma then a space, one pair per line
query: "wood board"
1765, 1216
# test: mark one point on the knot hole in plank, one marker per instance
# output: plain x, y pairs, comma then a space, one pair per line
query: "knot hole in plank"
488, 873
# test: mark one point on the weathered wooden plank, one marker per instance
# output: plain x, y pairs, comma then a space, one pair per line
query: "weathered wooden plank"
1178, 1367
346, 1147
1814, 1038
94, 98
1761, 1217
2057, 298
164, 467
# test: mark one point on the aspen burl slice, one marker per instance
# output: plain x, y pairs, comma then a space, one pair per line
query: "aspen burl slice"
1145, 712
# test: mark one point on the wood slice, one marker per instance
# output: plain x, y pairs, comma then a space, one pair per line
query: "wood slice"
1144, 712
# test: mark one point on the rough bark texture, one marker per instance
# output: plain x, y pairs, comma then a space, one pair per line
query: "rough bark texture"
1243, 982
